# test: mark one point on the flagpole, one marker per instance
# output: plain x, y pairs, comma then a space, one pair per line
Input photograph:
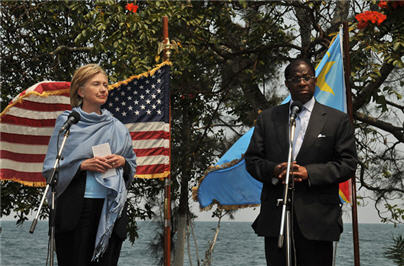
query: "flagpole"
347, 73
167, 182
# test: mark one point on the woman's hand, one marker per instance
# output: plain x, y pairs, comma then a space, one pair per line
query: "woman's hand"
115, 161
102, 164
96, 164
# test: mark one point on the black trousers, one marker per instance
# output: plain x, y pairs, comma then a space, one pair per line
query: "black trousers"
76, 247
308, 252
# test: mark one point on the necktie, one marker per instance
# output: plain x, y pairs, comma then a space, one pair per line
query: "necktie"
296, 139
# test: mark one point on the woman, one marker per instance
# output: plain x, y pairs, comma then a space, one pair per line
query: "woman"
90, 219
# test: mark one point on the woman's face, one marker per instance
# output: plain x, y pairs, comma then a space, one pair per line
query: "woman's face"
94, 92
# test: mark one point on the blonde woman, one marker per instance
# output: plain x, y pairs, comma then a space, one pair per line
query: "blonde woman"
90, 219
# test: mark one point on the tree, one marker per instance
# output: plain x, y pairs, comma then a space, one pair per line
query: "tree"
396, 251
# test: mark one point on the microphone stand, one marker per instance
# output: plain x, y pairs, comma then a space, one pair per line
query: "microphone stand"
51, 182
286, 202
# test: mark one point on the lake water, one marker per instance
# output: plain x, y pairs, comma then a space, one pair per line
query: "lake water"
236, 245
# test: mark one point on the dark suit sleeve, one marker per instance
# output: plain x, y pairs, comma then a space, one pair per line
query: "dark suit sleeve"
343, 165
256, 164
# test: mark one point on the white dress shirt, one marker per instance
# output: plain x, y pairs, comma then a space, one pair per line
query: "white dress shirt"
302, 120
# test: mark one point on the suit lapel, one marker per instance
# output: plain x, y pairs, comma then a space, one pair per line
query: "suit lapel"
317, 121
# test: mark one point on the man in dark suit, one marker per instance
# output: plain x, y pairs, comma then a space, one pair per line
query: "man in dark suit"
324, 155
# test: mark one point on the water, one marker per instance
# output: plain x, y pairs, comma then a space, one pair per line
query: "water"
236, 245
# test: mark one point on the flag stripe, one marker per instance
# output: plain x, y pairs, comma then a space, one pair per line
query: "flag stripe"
21, 167
151, 152
150, 160
16, 129
148, 126
22, 148
40, 107
19, 176
148, 169
9, 119
35, 115
63, 99
149, 144
142, 135
23, 139
22, 157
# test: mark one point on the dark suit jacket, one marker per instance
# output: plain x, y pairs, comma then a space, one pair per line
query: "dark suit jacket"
70, 202
328, 152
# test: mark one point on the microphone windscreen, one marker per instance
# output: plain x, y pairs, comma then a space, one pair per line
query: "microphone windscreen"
74, 117
298, 105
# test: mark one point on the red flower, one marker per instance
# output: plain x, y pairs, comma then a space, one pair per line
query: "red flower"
382, 4
369, 16
394, 4
132, 7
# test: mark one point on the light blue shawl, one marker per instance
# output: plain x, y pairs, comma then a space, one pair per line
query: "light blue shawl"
91, 130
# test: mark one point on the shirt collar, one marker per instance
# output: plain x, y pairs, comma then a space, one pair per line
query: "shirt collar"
308, 105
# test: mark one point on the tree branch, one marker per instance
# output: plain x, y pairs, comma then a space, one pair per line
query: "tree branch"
63, 48
397, 132
401, 107
363, 97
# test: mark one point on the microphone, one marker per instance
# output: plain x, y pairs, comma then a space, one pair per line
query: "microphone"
295, 110
73, 118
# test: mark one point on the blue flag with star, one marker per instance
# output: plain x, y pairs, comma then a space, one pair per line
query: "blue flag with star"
330, 85
228, 184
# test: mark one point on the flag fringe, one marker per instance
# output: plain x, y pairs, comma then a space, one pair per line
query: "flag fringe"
151, 176
25, 183
219, 205
43, 94
144, 74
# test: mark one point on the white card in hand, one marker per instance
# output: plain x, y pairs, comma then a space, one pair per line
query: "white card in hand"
103, 150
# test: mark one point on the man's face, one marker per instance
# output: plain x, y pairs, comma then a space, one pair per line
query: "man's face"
301, 83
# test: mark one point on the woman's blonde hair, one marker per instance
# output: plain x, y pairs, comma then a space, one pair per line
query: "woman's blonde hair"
80, 77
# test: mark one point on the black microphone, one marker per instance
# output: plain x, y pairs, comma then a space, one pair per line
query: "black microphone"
73, 118
295, 110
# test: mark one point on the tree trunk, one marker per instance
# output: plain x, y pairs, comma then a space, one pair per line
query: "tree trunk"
302, 16
180, 240
208, 254
183, 208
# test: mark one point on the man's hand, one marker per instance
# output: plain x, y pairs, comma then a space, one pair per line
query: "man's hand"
298, 172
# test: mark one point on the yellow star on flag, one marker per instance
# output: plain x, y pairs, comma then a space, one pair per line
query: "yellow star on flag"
321, 78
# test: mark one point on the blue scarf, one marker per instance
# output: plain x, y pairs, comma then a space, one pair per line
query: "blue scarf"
91, 130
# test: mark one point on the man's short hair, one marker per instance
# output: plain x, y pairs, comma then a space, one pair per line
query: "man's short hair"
295, 63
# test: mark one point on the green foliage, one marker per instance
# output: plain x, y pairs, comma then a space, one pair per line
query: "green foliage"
396, 251
19, 201
28, 39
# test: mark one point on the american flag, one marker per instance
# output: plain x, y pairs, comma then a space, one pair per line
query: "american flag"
26, 126
27, 123
142, 104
